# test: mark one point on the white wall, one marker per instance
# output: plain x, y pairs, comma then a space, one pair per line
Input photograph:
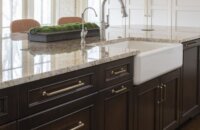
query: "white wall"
186, 13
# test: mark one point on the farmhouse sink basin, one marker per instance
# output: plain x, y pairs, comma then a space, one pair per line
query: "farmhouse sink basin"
155, 59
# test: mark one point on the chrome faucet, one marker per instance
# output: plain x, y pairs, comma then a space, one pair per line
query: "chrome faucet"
84, 30
105, 25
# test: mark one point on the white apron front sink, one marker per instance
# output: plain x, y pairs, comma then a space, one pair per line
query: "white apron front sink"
155, 59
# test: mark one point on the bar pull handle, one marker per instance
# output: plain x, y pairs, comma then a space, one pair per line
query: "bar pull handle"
123, 88
80, 125
80, 83
161, 93
165, 92
159, 99
122, 70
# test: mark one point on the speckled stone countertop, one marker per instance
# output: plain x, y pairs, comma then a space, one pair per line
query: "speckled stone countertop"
160, 33
22, 61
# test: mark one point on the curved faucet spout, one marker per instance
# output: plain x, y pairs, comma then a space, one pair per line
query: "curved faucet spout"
87, 9
84, 30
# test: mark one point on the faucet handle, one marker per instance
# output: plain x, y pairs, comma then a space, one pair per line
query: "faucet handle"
108, 21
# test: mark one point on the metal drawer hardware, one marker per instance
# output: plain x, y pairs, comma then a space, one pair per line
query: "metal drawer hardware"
158, 102
193, 43
120, 90
80, 83
161, 94
80, 125
122, 70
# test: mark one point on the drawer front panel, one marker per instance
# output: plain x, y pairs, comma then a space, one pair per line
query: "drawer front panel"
62, 88
44, 94
116, 72
77, 121
78, 115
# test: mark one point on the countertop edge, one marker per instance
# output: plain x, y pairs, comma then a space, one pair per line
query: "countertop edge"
36, 77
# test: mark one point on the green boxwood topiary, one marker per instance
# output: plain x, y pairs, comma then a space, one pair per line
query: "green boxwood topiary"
65, 27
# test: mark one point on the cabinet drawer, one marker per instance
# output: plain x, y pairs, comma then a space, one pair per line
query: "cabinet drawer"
78, 115
8, 105
49, 94
116, 72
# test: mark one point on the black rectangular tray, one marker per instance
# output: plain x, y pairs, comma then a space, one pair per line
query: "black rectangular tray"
59, 36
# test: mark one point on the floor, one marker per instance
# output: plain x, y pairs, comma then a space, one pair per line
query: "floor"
193, 124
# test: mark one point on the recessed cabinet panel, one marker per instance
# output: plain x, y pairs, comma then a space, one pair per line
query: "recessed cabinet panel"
147, 107
3, 106
170, 104
169, 111
157, 103
190, 90
8, 105
114, 107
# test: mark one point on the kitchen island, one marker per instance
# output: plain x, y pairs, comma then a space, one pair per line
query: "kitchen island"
64, 86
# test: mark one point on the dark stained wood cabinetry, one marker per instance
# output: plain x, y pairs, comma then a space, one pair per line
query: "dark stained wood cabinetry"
147, 108
94, 98
103, 98
157, 103
114, 107
114, 100
115, 72
76, 115
169, 108
189, 93
44, 94
8, 105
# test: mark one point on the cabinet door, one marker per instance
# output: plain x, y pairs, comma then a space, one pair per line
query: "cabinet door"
169, 111
78, 115
114, 107
8, 105
147, 106
190, 90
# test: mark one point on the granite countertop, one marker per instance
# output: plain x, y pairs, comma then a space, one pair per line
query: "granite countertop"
160, 33
22, 61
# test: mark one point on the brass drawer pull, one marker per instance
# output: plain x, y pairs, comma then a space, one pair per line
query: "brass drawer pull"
119, 91
80, 125
118, 72
80, 83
